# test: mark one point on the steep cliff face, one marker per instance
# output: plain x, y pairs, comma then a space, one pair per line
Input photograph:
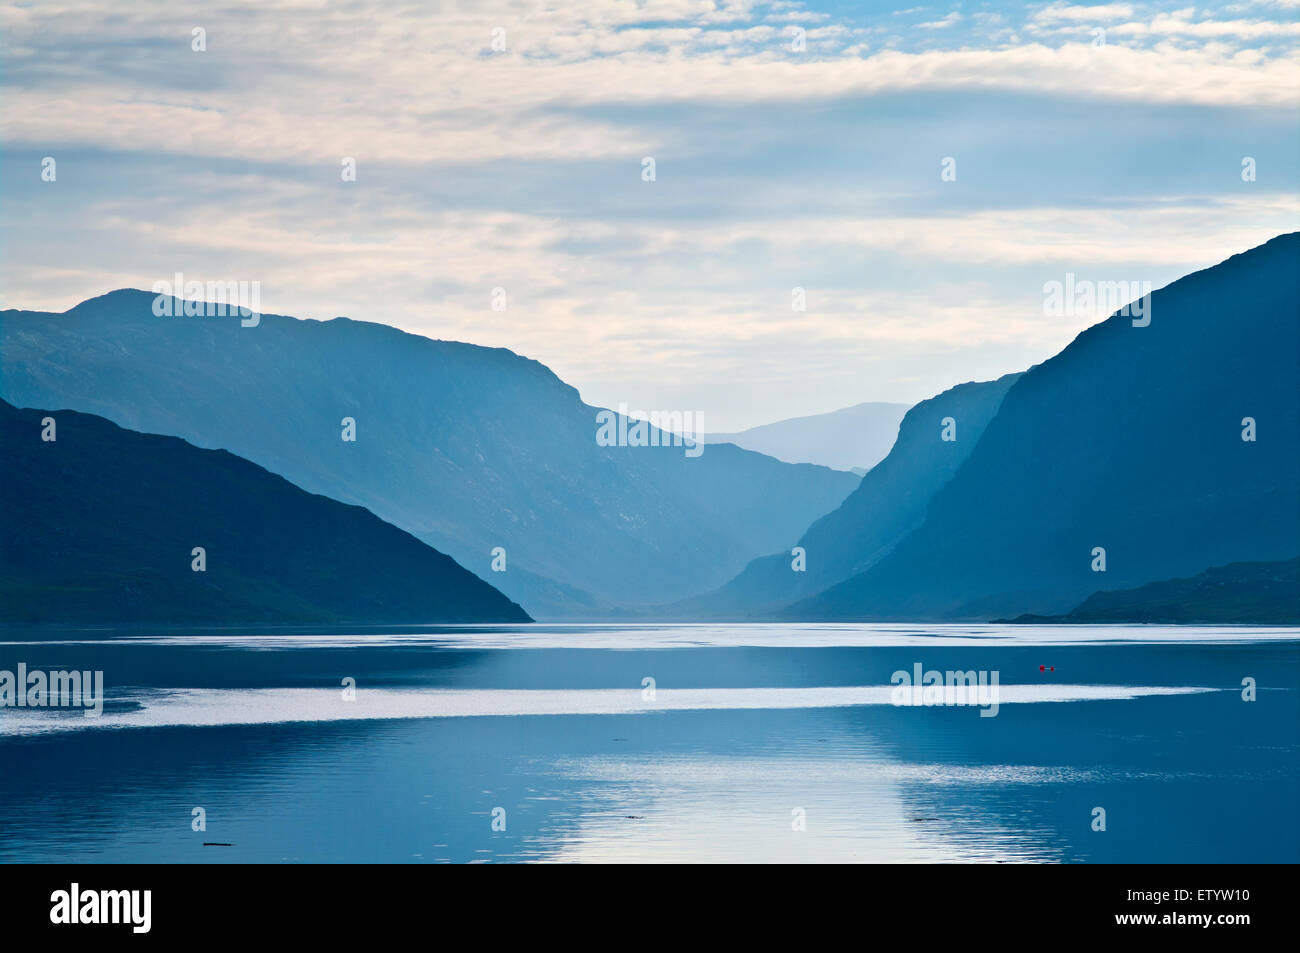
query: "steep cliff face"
1172, 447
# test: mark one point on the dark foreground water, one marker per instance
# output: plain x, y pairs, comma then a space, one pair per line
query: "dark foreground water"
757, 743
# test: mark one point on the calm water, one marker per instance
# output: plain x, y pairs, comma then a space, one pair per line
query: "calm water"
752, 732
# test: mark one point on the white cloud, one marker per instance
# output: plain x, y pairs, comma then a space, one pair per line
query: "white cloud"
1084, 14
1181, 24
307, 82
658, 303
950, 20
469, 108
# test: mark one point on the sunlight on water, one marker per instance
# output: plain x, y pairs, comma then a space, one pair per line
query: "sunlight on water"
158, 709
741, 810
635, 637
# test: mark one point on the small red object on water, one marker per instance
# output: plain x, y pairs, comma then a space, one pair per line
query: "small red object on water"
1042, 668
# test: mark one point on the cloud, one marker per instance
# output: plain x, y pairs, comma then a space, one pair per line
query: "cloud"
487, 109
1180, 24
520, 168
299, 81
1084, 14
950, 20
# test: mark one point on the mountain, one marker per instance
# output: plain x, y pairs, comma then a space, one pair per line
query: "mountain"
855, 438
100, 526
468, 448
890, 502
1128, 441
1239, 594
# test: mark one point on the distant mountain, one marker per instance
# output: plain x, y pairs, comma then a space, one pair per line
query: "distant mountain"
855, 438
468, 448
890, 502
1239, 594
1128, 441
101, 523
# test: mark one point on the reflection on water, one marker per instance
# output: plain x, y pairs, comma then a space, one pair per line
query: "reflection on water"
750, 748
195, 707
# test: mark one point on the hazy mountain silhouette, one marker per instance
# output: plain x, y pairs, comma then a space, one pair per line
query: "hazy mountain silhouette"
890, 502
1131, 440
469, 448
1239, 594
854, 438
101, 523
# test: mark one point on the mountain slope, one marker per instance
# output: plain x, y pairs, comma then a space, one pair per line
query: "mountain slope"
1239, 594
468, 448
853, 438
1130, 440
890, 501
100, 525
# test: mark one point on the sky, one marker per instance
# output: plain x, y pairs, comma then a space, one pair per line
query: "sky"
503, 145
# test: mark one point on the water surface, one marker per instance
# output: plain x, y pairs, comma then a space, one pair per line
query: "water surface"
758, 743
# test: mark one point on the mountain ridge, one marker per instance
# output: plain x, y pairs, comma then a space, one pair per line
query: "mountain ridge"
1245, 593
469, 448
102, 525
888, 503
1172, 487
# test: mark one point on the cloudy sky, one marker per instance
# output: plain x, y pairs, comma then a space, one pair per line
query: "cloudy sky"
795, 145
